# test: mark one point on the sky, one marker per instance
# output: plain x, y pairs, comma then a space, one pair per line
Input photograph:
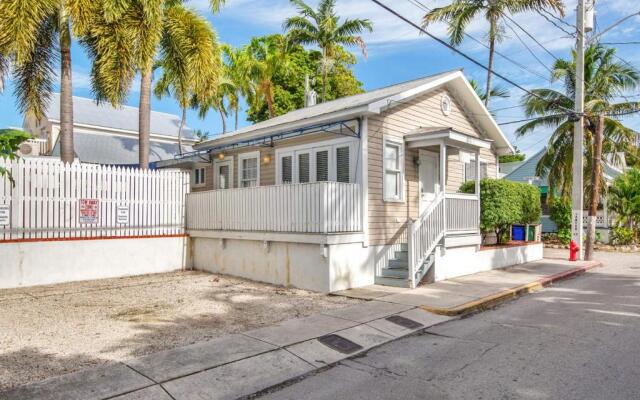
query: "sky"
397, 52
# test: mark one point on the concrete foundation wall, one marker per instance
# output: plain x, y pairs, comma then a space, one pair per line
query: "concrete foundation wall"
48, 262
467, 260
322, 268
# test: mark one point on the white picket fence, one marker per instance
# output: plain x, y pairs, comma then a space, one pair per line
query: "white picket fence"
55, 200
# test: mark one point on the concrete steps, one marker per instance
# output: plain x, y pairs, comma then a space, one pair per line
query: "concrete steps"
396, 273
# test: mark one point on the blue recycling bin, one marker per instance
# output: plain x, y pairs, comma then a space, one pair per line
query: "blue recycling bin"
518, 232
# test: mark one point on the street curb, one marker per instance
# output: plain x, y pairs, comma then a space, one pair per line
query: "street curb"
495, 299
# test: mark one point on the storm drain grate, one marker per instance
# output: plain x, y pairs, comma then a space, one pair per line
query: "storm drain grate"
404, 322
338, 343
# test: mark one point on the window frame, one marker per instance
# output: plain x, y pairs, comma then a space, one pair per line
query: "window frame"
472, 158
203, 173
216, 172
248, 156
399, 143
312, 149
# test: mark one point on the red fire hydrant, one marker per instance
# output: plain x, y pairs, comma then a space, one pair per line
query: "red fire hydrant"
573, 251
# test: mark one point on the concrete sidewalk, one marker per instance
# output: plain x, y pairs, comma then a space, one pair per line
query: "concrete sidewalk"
479, 291
239, 365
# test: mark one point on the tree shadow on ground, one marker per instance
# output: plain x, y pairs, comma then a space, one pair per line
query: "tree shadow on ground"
30, 364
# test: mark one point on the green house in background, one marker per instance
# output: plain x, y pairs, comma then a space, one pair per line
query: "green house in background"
525, 171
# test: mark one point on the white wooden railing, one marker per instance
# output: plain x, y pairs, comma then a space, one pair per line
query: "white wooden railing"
463, 212
424, 234
321, 207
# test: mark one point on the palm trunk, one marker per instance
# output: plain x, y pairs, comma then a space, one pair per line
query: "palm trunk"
595, 188
144, 117
67, 153
236, 117
324, 77
182, 122
492, 44
224, 120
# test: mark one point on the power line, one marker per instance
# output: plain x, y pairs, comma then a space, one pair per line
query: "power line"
546, 14
528, 48
531, 119
531, 36
464, 55
618, 43
423, 7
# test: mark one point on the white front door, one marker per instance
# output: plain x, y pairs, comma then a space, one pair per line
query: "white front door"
429, 176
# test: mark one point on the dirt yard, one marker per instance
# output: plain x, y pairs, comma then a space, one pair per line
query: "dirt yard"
52, 330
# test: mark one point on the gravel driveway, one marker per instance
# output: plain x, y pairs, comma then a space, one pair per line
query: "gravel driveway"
52, 330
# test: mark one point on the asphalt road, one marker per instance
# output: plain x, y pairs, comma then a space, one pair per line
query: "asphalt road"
579, 339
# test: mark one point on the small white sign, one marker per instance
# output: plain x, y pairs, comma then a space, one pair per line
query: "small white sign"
122, 215
89, 211
5, 216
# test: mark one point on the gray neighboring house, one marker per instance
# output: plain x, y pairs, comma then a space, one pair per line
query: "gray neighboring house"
106, 135
526, 172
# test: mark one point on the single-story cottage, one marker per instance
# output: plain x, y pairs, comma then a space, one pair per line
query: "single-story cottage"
349, 192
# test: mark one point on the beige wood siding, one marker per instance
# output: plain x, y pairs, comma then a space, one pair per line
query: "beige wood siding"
386, 219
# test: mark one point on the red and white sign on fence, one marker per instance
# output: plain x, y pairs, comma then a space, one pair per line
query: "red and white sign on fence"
55, 200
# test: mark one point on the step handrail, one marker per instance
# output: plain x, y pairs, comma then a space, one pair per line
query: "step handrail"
424, 234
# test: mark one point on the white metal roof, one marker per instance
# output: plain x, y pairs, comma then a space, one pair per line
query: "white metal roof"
372, 102
87, 112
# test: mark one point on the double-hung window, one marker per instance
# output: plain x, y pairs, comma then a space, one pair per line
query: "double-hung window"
470, 170
199, 177
393, 164
249, 169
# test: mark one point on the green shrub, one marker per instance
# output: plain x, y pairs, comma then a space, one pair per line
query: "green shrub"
560, 213
504, 203
622, 235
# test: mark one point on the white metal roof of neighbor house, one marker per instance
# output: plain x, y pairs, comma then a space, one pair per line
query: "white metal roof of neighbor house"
380, 98
117, 150
527, 170
87, 112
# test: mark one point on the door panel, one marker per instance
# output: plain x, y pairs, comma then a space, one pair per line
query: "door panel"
429, 176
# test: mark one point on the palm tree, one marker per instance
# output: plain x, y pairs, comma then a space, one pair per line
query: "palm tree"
268, 56
216, 101
187, 47
605, 80
141, 25
459, 14
322, 27
496, 91
238, 72
35, 34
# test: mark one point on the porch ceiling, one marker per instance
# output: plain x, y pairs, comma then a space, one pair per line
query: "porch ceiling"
432, 136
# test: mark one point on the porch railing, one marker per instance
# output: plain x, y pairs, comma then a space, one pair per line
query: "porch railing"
423, 236
463, 212
321, 207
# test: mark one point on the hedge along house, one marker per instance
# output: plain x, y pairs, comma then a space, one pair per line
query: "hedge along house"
349, 192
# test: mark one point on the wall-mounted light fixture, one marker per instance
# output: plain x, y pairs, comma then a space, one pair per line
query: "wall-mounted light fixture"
220, 156
266, 159
416, 161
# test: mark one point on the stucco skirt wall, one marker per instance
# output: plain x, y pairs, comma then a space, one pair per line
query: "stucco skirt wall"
302, 265
48, 262
467, 260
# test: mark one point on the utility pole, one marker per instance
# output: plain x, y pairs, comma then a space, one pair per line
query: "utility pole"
577, 192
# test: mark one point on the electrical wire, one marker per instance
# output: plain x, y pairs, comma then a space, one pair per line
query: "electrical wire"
423, 7
531, 36
528, 48
464, 55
